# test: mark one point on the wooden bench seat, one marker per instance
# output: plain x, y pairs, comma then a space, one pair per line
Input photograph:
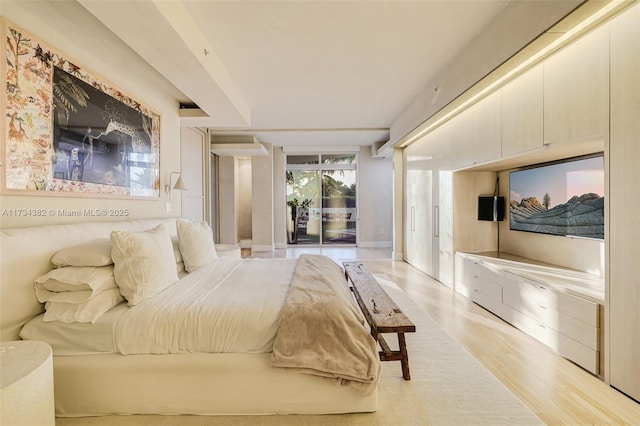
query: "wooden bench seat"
381, 312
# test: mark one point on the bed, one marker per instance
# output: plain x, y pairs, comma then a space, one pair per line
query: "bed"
237, 372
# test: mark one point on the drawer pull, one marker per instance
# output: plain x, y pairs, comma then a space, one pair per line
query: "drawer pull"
543, 307
542, 287
542, 326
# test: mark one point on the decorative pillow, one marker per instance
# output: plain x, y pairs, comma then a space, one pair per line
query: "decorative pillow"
196, 244
92, 253
144, 263
176, 249
88, 311
74, 284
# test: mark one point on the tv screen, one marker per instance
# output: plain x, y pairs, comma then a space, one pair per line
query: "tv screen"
561, 198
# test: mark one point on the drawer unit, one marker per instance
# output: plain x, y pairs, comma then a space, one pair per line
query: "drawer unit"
544, 294
479, 282
584, 356
544, 309
542, 301
490, 303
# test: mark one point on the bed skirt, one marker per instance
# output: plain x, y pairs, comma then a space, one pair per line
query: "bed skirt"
201, 384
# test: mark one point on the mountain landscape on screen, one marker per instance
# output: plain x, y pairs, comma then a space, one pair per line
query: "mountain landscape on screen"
563, 198
581, 216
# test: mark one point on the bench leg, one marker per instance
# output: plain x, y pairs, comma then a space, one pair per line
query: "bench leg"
405, 356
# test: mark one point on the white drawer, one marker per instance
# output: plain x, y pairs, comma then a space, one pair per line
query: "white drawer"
586, 357
490, 288
490, 303
539, 294
571, 327
471, 268
463, 288
582, 355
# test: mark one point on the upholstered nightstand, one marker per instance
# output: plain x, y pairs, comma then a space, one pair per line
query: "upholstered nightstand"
26, 383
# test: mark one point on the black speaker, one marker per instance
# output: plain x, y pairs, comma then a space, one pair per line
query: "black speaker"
491, 208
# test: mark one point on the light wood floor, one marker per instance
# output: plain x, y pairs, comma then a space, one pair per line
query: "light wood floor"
558, 391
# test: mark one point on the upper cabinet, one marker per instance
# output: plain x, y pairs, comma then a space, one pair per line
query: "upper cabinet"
461, 128
576, 90
475, 133
522, 116
487, 123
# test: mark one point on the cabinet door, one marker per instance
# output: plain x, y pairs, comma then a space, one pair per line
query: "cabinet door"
410, 178
418, 230
624, 180
522, 125
461, 128
576, 90
442, 195
487, 135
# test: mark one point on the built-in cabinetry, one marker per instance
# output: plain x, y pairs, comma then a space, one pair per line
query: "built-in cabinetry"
461, 128
486, 127
429, 195
522, 117
582, 99
623, 233
559, 307
476, 133
576, 90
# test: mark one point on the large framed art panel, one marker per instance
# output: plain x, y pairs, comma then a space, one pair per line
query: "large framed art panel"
67, 132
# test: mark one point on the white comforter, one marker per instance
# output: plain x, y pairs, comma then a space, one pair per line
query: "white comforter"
230, 305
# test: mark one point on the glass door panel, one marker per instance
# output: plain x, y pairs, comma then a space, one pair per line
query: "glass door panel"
303, 207
339, 207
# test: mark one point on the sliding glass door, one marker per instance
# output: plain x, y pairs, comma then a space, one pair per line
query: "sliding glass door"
321, 199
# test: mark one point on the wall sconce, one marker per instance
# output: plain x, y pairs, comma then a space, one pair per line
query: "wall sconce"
178, 185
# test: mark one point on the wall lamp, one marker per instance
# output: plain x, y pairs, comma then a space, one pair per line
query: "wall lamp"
180, 185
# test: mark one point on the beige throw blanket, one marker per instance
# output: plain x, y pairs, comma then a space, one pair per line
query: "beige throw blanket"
321, 331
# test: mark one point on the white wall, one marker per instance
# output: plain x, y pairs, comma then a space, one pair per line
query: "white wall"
375, 200
244, 199
262, 186
194, 162
279, 198
68, 28
227, 170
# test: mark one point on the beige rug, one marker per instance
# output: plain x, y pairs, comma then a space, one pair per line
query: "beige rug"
448, 387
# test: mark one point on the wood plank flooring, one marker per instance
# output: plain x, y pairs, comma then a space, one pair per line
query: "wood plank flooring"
558, 391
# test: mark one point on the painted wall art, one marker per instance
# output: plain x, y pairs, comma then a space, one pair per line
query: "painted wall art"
68, 132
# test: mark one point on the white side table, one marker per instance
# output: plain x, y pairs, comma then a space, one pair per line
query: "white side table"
26, 383
228, 250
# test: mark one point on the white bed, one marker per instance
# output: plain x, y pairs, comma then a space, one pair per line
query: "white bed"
94, 379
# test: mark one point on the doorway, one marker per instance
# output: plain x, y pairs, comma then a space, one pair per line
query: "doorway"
321, 199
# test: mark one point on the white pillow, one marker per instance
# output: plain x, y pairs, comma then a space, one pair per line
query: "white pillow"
88, 311
176, 249
144, 263
74, 284
196, 244
92, 253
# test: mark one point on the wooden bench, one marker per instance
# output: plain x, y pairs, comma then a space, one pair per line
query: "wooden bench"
381, 312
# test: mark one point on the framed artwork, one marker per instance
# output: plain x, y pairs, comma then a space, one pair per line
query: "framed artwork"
69, 133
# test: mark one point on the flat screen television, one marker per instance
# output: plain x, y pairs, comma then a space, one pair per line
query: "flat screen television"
561, 198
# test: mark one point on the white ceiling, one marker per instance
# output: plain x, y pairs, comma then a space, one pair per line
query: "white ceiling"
300, 73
